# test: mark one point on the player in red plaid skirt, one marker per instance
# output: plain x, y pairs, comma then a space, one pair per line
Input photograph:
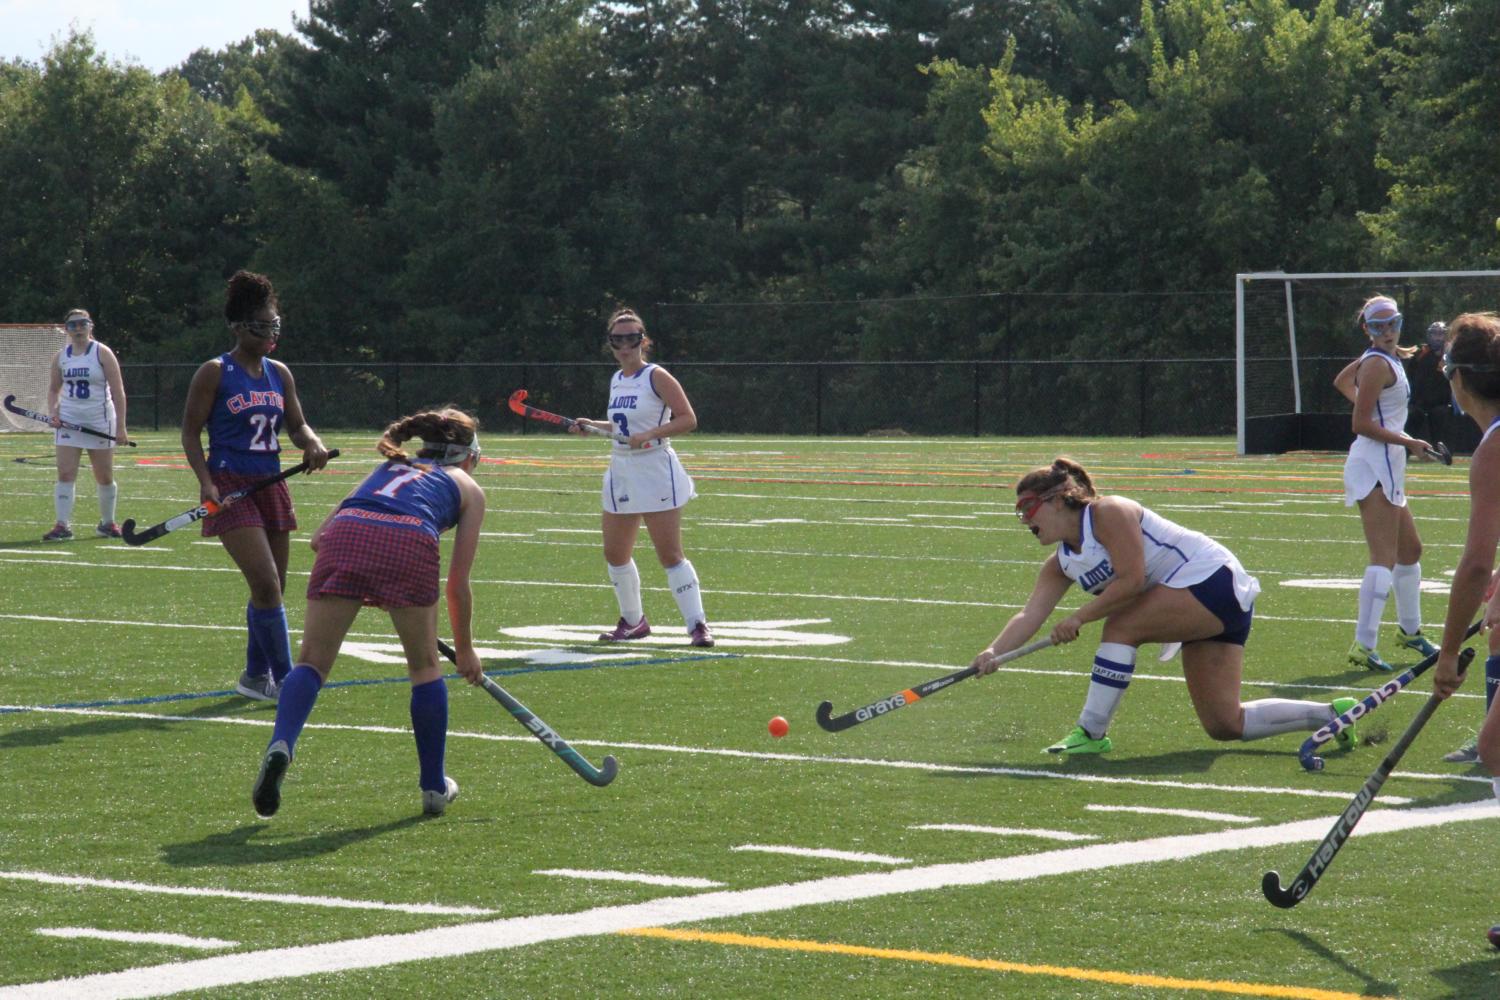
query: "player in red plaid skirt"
380, 548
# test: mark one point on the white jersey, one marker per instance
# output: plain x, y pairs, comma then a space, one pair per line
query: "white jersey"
1176, 557
1373, 463
635, 406
85, 395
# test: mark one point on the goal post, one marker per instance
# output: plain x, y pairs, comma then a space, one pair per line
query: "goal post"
26, 353
1294, 332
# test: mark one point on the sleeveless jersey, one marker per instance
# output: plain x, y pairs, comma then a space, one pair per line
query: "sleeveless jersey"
1176, 557
85, 395
421, 496
635, 406
245, 420
1390, 413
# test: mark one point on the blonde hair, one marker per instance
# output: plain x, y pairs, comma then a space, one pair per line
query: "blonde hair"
442, 427
1401, 352
1063, 478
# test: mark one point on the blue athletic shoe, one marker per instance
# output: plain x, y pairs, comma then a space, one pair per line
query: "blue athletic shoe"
1416, 640
1364, 656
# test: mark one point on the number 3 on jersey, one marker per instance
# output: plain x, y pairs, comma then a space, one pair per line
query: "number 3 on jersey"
622, 423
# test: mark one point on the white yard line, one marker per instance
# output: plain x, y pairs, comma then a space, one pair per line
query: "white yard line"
332, 902
824, 852
1185, 813
138, 937
679, 881
514, 932
1006, 831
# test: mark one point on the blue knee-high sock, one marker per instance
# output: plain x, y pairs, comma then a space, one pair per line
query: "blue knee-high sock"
429, 724
268, 630
256, 664
295, 703
1491, 679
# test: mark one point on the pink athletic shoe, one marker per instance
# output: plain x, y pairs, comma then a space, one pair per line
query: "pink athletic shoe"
701, 636
622, 631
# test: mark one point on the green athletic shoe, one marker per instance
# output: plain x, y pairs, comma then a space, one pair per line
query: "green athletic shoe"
1079, 741
1364, 656
1347, 738
1415, 640
1466, 754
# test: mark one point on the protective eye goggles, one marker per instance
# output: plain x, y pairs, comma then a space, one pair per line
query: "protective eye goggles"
78, 324
449, 452
1028, 505
261, 327
1381, 327
1451, 367
624, 339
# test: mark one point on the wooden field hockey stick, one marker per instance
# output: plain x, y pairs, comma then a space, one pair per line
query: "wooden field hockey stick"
519, 405
1366, 705
10, 404
208, 508
901, 699
1287, 897
597, 776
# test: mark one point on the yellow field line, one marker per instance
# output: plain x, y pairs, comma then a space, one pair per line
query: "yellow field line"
993, 965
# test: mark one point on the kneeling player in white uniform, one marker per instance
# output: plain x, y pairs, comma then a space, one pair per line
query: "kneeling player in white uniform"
86, 389
646, 481
1152, 581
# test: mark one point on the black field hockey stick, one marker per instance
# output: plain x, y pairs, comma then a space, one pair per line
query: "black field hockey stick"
10, 404
597, 776
1289, 896
1366, 705
1439, 453
519, 405
903, 698
208, 508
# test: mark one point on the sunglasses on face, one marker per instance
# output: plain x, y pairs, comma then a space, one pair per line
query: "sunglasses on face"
261, 327
1380, 327
624, 339
78, 324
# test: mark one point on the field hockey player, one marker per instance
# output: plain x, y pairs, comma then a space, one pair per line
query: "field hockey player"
645, 481
380, 548
85, 389
1151, 581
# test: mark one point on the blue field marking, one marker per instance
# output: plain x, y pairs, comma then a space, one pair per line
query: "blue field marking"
513, 671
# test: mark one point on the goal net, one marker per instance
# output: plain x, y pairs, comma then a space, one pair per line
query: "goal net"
26, 351
1295, 332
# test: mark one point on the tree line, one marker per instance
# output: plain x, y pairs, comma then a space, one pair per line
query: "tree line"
464, 180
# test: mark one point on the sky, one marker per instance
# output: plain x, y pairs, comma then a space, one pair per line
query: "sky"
157, 34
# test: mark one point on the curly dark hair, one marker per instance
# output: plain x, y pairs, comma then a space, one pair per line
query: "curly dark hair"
248, 293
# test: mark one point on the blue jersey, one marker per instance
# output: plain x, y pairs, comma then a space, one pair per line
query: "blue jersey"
246, 419
421, 496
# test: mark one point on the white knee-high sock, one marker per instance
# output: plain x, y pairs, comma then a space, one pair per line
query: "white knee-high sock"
683, 580
1407, 583
1273, 716
1373, 591
107, 496
1495, 784
62, 502
627, 581
1114, 665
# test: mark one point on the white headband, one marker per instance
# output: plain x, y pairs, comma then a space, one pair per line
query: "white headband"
450, 453
1379, 303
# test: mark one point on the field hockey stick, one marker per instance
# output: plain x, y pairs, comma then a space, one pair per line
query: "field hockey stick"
1440, 453
598, 776
10, 404
1289, 896
519, 405
903, 698
1364, 707
206, 509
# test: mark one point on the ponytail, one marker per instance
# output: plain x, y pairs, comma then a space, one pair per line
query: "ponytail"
448, 436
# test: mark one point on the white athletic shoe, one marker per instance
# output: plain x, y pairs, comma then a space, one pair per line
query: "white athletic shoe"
434, 803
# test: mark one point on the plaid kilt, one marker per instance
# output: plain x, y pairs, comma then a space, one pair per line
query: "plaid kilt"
270, 508
381, 564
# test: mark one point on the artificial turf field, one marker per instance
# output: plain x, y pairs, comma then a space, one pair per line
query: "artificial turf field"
934, 852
